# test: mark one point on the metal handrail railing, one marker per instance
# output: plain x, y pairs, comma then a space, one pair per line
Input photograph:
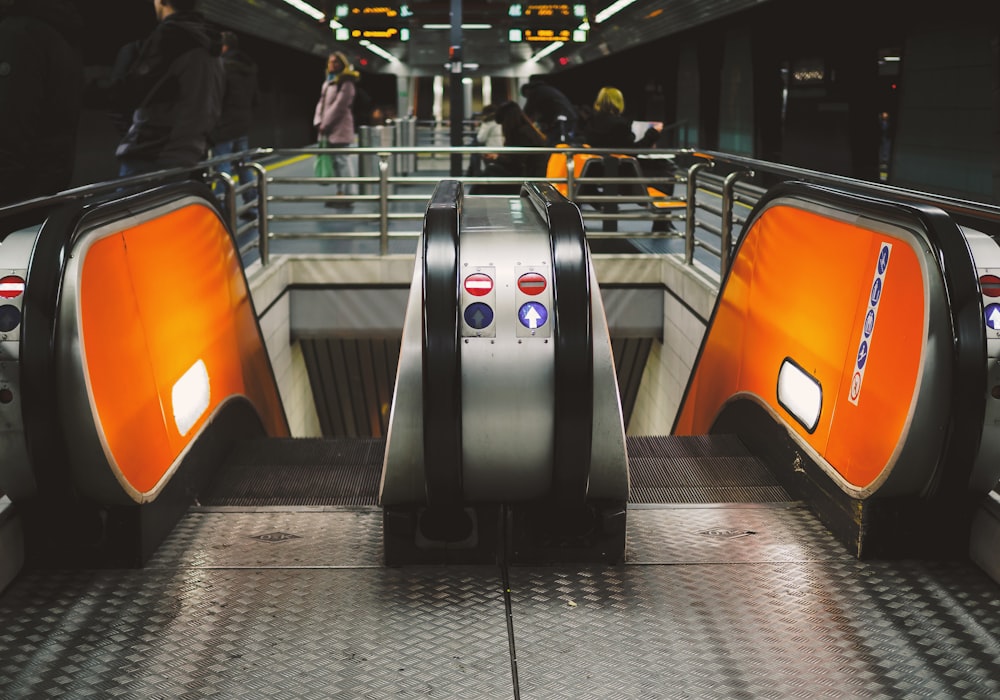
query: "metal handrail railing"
720, 189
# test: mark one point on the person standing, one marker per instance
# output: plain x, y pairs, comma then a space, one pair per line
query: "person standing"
518, 132
41, 92
174, 88
232, 132
550, 109
607, 126
334, 121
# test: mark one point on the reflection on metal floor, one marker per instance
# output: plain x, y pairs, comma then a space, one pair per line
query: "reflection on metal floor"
737, 600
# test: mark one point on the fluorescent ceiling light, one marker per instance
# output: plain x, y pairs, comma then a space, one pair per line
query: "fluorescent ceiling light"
800, 394
306, 8
378, 51
464, 26
608, 11
546, 51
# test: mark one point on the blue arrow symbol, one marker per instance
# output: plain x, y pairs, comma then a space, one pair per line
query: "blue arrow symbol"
993, 320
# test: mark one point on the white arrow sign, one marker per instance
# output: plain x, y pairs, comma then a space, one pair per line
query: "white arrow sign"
532, 317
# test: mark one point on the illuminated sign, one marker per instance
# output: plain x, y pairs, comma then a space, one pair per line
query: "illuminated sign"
546, 35
548, 22
390, 21
549, 11
387, 33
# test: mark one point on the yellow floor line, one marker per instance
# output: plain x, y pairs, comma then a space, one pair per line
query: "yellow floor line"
287, 162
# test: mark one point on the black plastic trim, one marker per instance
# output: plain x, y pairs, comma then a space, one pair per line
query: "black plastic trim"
442, 386
574, 344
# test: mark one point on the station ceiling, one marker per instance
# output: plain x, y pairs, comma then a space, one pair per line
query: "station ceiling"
487, 49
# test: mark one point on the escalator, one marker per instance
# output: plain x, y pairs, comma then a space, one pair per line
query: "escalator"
735, 578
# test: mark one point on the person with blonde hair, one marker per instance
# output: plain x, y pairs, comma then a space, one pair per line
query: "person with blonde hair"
334, 122
607, 127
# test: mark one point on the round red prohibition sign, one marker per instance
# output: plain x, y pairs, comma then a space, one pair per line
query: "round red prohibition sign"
11, 287
531, 283
478, 284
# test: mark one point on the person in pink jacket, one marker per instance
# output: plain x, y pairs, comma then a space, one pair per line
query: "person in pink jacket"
334, 122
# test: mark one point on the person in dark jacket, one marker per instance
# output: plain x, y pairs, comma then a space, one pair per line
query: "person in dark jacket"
607, 127
174, 87
551, 110
518, 131
232, 131
41, 89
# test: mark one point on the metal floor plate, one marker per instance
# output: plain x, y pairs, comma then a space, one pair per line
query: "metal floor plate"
713, 602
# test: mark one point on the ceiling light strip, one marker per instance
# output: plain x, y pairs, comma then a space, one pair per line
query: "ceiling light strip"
307, 9
608, 11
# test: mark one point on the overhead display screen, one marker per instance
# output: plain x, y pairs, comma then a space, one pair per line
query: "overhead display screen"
548, 22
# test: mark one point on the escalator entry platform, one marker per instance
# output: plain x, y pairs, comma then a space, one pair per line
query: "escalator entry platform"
506, 436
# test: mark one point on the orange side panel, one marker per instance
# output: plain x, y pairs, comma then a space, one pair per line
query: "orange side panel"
800, 289
155, 299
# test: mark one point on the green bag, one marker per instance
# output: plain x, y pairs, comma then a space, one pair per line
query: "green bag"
323, 167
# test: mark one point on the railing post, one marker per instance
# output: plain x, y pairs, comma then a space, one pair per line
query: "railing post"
262, 225
570, 177
728, 185
691, 222
383, 201
228, 198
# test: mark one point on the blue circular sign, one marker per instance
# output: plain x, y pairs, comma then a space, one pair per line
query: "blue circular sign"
10, 317
862, 354
869, 322
478, 315
532, 315
876, 291
992, 314
883, 259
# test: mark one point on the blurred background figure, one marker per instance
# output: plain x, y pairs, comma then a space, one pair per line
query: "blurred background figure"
334, 122
489, 133
173, 87
518, 131
232, 132
550, 109
607, 127
41, 93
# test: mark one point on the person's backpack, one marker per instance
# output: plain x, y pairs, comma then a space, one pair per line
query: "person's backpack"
361, 108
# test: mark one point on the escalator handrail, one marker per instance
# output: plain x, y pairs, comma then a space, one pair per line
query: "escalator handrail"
957, 268
442, 390
574, 344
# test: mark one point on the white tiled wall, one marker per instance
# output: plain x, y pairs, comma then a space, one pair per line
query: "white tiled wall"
670, 362
663, 382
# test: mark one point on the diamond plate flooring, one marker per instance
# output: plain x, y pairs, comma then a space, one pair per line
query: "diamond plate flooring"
735, 601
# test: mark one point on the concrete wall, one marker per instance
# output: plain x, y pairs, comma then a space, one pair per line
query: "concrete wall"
269, 287
689, 294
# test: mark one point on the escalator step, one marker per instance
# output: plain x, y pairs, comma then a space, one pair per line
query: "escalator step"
299, 472
698, 469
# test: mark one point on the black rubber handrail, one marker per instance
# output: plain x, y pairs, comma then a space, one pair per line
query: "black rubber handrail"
966, 412
442, 388
574, 344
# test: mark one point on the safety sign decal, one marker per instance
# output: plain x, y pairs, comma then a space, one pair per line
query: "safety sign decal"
992, 314
533, 315
478, 315
868, 330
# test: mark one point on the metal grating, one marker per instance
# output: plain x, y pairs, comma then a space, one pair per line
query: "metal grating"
782, 612
698, 469
630, 362
305, 472
353, 379
352, 382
